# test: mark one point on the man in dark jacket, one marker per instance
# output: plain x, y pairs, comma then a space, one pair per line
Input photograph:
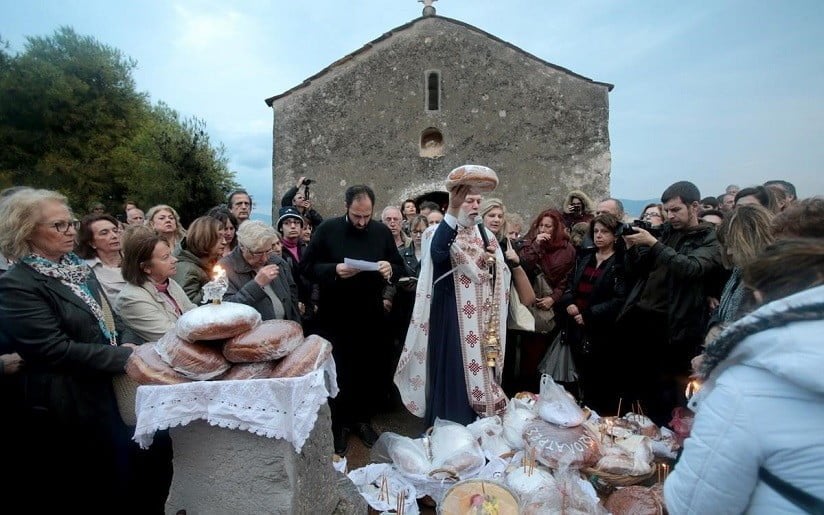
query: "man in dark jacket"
298, 197
350, 306
664, 317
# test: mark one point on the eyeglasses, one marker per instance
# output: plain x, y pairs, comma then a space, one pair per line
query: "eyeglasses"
417, 233
261, 253
63, 226
652, 215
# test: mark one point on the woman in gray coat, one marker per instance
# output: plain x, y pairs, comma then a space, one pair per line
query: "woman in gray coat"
258, 277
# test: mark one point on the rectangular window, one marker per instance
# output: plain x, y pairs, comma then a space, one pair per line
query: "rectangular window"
433, 91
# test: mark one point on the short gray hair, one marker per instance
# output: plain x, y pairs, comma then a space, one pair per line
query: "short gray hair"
391, 208
19, 215
252, 233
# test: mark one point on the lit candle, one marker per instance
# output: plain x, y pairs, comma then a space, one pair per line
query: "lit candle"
216, 288
692, 388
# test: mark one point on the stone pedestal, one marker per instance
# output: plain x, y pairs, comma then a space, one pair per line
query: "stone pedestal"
218, 470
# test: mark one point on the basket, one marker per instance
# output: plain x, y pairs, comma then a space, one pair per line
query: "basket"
125, 391
618, 479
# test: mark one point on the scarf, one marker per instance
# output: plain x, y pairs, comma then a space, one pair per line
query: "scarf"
774, 314
167, 297
72, 272
292, 247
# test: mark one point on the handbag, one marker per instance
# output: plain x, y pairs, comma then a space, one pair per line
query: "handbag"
557, 361
520, 317
544, 318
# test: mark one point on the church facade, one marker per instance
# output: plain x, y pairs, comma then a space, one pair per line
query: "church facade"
433, 94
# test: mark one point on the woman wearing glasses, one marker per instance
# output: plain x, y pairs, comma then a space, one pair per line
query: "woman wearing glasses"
57, 317
198, 254
98, 243
258, 277
653, 213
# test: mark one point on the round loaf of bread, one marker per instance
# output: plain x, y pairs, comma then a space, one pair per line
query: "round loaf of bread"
243, 371
272, 339
217, 321
307, 357
557, 447
200, 361
635, 500
480, 179
146, 367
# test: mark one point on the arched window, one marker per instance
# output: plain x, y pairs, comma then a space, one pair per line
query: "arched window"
431, 143
433, 91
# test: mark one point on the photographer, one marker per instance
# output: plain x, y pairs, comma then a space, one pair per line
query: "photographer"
299, 197
665, 313
578, 207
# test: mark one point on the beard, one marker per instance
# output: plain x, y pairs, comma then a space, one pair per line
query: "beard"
465, 219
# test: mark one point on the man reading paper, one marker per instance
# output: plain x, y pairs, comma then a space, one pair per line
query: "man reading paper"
350, 306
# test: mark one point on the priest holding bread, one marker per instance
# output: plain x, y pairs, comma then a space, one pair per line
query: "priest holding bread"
452, 360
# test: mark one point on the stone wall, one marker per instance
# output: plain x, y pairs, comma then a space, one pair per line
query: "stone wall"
218, 470
543, 129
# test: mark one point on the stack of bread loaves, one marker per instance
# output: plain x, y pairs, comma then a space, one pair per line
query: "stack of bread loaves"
227, 341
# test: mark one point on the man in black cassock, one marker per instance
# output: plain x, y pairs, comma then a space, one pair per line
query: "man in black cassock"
350, 307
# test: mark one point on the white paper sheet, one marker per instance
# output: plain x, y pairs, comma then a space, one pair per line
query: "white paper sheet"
364, 266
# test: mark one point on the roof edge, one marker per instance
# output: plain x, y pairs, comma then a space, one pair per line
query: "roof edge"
386, 35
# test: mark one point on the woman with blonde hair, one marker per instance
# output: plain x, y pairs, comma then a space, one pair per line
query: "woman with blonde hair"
165, 220
57, 317
493, 213
743, 234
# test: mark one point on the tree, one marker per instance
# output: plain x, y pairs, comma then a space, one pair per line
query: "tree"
71, 120
178, 161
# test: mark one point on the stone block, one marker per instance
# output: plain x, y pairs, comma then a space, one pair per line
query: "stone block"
219, 470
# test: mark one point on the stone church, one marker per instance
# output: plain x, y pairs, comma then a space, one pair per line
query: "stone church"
402, 111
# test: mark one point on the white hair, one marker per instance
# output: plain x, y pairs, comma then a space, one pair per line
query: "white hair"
253, 233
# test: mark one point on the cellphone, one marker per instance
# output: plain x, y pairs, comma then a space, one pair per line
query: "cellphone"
407, 279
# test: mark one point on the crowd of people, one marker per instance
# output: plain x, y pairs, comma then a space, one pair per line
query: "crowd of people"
422, 298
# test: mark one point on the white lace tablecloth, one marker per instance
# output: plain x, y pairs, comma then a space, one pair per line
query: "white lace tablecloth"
274, 408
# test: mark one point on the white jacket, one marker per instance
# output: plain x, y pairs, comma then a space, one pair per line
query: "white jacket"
762, 405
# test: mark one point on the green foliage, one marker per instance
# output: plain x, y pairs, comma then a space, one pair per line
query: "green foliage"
71, 120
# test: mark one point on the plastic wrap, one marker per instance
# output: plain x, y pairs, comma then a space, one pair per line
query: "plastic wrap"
272, 339
307, 357
195, 360
556, 405
217, 321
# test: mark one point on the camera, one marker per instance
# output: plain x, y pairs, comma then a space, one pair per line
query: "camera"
629, 228
308, 181
576, 208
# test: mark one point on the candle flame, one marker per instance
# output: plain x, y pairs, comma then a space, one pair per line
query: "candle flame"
692, 388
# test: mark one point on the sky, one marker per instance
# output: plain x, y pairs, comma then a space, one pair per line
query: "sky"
714, 91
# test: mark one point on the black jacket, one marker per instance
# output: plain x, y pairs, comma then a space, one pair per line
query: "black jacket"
608, 293
71, 434
689, 257
314, 217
